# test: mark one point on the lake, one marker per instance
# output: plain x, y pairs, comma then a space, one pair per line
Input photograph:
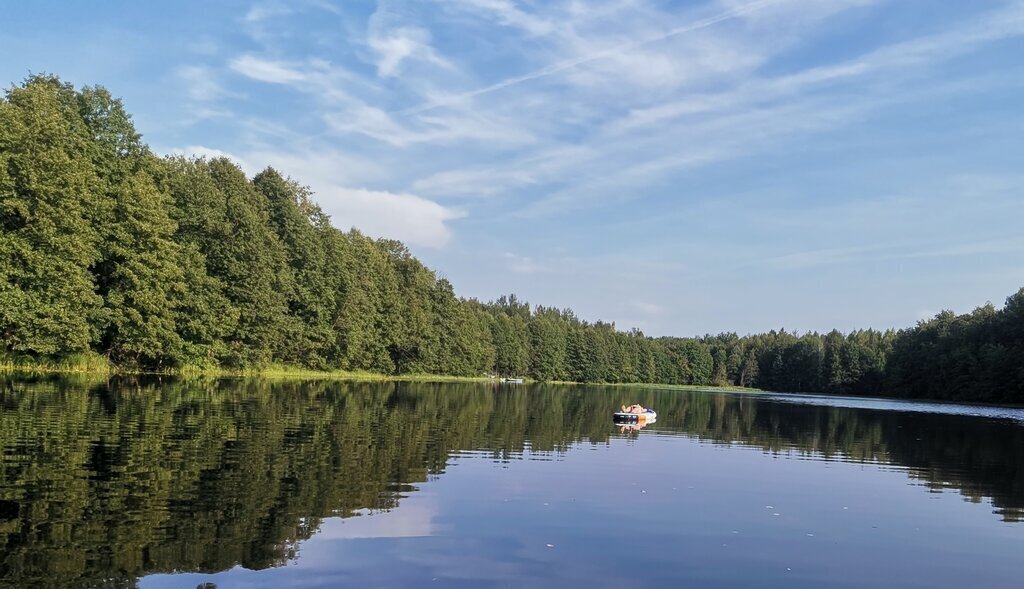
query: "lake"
257, 483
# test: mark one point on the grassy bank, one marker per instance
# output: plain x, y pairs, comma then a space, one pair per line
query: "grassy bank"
281, 371
100, 365
74, 364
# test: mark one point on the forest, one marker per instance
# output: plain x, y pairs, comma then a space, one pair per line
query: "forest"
170, 263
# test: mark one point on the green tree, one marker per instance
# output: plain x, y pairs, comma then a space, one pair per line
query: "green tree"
48, 303
299, 224
141, 278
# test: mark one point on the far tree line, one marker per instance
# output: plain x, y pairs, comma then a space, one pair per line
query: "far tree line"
164, 263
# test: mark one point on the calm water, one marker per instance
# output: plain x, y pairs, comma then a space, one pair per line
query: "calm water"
254, 484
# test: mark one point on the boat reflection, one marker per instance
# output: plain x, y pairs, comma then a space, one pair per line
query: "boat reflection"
634, 427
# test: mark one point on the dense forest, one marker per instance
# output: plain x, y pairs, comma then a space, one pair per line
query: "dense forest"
167, 263
135, 476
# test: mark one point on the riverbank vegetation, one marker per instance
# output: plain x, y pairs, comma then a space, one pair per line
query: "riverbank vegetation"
115, 258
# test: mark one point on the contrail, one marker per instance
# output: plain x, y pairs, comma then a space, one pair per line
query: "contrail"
569, 64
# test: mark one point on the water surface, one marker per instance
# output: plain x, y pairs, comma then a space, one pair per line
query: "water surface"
248, 483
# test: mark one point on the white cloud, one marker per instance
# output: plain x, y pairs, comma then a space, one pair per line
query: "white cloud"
394, 46
212, 153
711, 107
591, 53
506, 13
902, 55
477, 183
262, 11
566, 106
667, 137
535, 169
321, 165
380, 213
410, 218
201, 84
393, 41
374, 122
270, 71
337, 92
613, 124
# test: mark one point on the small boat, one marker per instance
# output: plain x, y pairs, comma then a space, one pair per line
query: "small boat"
646, 417
513, 380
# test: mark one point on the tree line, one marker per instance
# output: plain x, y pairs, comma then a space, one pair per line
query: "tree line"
164, 263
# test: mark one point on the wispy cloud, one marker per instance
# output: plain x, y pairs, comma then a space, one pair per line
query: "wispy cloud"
201, 83
613, 101
440, 130
616, 51
262, 11
265, 70
505, 13
396, 45
268, 20
393, 42
652, 142
475, 183
612, 106
707, 148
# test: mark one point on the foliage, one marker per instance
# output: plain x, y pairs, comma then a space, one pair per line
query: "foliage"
174, 263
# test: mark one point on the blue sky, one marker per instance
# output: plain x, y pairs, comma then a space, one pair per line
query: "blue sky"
679, 166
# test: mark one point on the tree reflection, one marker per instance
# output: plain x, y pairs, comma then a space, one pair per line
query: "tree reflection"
103, 482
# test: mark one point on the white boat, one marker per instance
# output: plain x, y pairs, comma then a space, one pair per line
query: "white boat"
513, 380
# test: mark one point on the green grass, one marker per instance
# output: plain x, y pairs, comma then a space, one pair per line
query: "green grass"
98, 364
86, 363
101, 365
283, 371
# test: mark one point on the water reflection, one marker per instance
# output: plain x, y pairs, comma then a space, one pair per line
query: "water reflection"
104, 482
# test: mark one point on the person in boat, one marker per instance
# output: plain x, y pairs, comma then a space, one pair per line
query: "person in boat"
634, 408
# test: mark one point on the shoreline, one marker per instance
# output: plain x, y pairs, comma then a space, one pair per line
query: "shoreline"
98, 366
272, 372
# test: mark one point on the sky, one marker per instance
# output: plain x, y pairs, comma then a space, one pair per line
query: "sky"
681, 167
